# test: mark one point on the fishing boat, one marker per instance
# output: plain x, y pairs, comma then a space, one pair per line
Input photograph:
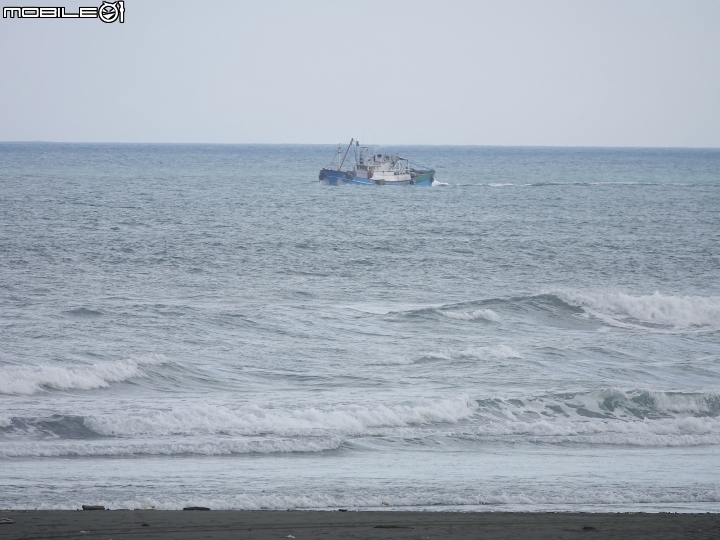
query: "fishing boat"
372, 169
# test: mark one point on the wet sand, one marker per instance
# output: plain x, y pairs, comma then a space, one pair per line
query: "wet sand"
119, 524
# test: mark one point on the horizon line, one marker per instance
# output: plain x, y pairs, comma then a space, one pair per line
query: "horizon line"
627, 147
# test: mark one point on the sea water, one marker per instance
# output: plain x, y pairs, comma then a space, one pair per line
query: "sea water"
207, 325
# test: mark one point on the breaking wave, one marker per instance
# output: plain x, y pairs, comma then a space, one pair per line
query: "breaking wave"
677, 311
253, 420
32, 379
605, 417
615, 417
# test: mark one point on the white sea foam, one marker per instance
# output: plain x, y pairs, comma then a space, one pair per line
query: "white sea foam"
497, 352
615, 403
395, 361
252, 420
486, 314
605, 417
608, 417
429, 498
677, 403
670, 432
663, 432
678, 311
479, 498
31, 379
174, 446
405, 498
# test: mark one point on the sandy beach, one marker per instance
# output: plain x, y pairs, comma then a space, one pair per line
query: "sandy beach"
367, 525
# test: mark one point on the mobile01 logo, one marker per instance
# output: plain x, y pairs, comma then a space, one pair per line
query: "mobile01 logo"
108, 12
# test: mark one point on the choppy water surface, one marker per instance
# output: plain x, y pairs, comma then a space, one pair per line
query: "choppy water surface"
208, 325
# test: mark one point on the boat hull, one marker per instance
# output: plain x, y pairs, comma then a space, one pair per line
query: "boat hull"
331, 177
425, 179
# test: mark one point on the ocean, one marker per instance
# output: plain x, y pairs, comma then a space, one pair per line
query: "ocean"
207, 325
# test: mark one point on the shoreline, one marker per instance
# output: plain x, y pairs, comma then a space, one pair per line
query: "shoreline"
300, 524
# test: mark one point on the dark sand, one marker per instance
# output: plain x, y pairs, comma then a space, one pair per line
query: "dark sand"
118, 524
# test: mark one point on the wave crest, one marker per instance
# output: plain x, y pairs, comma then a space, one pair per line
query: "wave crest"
254, 420
32, 379
485, 314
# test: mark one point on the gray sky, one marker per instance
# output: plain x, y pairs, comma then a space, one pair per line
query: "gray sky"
588, 73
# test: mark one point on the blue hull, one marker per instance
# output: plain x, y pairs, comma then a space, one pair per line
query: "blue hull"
329, 177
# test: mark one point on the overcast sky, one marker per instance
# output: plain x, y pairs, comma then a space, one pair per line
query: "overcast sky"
566, 73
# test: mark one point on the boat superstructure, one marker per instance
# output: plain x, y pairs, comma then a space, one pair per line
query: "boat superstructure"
372, 169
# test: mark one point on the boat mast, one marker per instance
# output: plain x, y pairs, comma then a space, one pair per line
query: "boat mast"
346, 153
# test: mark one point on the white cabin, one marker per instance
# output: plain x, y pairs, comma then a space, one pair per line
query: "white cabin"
382, 167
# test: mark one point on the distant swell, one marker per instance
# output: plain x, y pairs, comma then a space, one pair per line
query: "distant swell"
497, 352
32, 379
614, 308
486, 314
